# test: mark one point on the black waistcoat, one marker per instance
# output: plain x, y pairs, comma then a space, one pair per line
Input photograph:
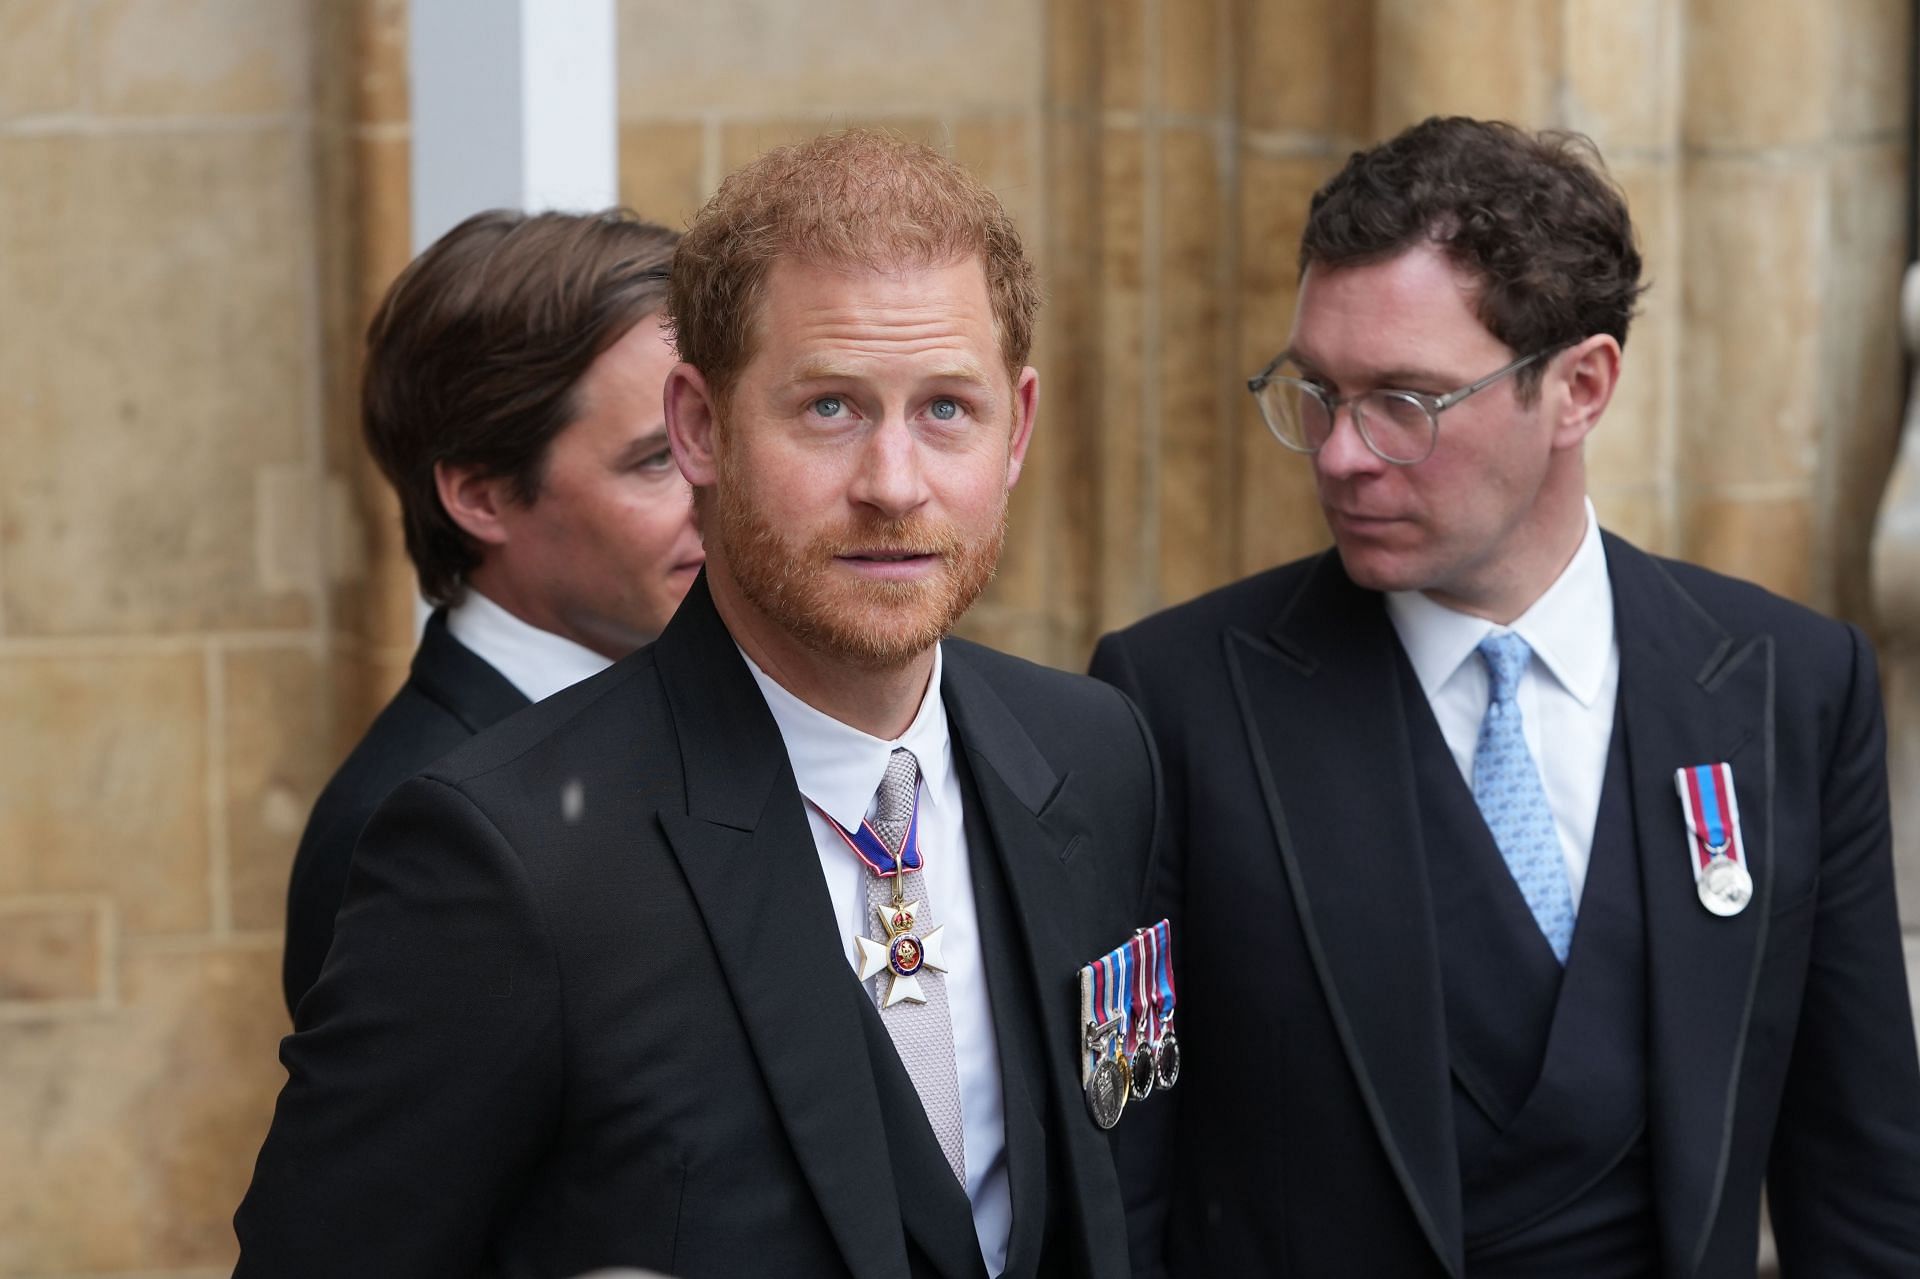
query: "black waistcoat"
1548, 1065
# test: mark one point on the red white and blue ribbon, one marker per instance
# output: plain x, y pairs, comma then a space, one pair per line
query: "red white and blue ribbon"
872, 850
1164, 995
1713, 815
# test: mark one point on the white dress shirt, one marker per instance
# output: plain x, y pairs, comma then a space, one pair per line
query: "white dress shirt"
839, 768
1566, 694
538, 663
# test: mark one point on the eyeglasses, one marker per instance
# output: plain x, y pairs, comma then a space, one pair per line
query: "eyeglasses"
1400, 427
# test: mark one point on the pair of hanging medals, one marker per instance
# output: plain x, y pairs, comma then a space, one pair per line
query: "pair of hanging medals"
1127, 1002
907, 950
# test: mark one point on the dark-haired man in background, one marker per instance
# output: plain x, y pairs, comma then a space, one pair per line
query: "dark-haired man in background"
512, 396
1463, 993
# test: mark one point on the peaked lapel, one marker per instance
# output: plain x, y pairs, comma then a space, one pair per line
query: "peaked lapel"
1018, 790
459, 679
747, 852
1344, 814
1692, 694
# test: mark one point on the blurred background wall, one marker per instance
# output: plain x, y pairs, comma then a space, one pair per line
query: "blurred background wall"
203, 597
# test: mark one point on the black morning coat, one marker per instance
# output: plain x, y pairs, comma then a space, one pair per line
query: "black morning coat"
450, 694
1316, 1130
587, 1004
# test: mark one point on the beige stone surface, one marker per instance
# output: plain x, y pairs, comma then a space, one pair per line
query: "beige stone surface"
1900, 682
153, 356
1072, 53
1119, 38
1758, 73
1278, 514
277, 718
1641, 513
199, 57
1128, 530
1861, 385
1489, 58
662, 170
1197, 448
1769, 541
1750, 407
999, 151
1872, 46
765, 57
1191, 50
1307, 68
743, 140
103, 784
126, 1140
1623, 85
39, 57
1633, 444
53, 952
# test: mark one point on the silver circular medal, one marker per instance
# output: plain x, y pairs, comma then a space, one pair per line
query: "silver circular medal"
1107, 1092
1140, 1072
1725, 887
1166, 1058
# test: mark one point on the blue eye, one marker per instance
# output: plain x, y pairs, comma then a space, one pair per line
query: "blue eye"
828, 406
945, 410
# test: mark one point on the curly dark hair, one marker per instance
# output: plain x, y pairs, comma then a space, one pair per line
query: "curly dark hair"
1533, 216
476, 354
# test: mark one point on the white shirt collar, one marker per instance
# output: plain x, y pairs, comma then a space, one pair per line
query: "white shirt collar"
538, 663
1569, 628
839, 767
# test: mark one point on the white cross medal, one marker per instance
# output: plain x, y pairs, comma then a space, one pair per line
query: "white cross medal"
904, 953
1714, 847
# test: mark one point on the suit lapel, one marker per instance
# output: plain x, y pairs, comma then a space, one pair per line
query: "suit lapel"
747, 852
1343, 811
1692, 694
1017, 791
462, 681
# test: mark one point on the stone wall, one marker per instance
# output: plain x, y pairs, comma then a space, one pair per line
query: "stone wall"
202, 591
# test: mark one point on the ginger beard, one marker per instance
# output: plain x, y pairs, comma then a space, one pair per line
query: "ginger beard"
796, 585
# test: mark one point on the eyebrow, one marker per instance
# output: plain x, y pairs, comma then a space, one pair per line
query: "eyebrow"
641, 447
1397, 378
821, 370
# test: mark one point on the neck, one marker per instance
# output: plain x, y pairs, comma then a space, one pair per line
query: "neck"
1543, 545
879, 701
532, 608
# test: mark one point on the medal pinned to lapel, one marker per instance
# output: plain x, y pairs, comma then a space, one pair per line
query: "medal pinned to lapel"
1714, 846
1126, 1007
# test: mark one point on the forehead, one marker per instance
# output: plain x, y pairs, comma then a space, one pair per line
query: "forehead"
874, 320
1416, 302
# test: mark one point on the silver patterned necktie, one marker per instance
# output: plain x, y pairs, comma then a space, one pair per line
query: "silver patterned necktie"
1508, 790
922, 1032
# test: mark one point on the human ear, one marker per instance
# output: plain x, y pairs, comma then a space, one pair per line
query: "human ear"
1026, 404
1588, 372
691, 422
475, 500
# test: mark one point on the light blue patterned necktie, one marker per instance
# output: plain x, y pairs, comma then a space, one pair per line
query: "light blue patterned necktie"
1506, 786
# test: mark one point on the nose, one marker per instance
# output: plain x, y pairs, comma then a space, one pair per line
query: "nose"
890, 478
1345, 453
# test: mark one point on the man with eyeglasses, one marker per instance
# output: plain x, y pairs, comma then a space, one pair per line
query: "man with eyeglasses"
1534, 896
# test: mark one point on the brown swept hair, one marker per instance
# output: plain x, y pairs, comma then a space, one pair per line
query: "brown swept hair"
476, 355
857, 198
1532, 216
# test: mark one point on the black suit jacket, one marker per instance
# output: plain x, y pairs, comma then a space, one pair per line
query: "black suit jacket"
451, 694
587, 1005
1315, 1135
